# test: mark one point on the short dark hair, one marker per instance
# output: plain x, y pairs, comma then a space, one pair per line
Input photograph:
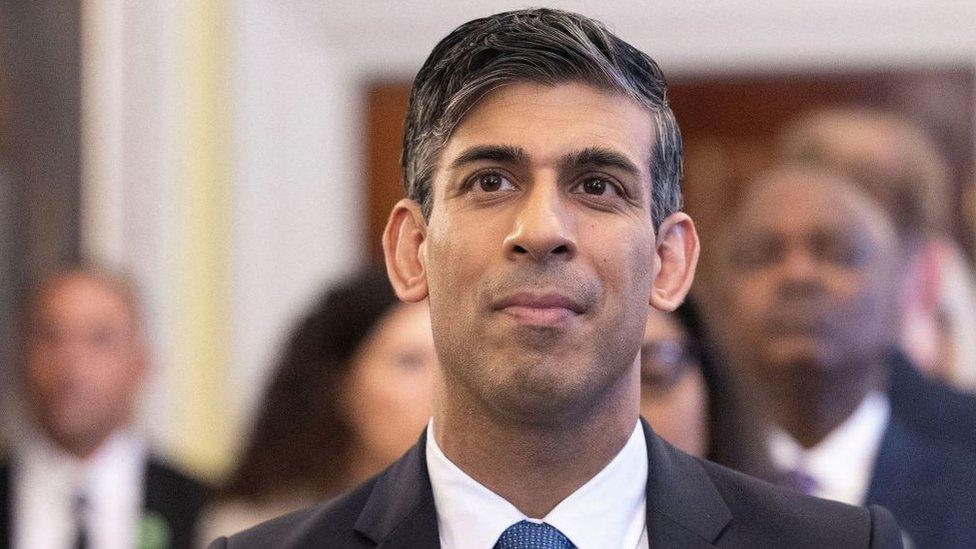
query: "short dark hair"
544, 46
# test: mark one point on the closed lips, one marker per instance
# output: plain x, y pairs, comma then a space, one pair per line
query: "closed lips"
539, 301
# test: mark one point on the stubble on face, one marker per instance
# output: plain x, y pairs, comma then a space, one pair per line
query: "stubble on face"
550, 372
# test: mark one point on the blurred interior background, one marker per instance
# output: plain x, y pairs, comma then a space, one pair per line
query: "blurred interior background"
237, 157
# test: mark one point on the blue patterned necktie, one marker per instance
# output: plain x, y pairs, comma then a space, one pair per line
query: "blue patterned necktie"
531, 535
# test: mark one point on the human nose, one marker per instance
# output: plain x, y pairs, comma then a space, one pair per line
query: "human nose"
543, 227
800, 275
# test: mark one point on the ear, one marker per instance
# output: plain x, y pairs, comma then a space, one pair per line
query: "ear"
404, 249
677, 257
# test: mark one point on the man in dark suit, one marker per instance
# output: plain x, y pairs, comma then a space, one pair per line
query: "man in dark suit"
892, 160
809, 265
542, 169
79, 476
898, 163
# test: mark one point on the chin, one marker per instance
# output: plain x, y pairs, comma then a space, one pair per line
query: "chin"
546, 391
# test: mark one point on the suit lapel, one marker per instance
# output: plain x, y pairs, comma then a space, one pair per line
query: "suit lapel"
684, 509
895, 457
171, 505
6, 505
400, 510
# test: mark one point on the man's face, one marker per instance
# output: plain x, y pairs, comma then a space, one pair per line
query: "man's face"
83, 361
807, 276
540, 250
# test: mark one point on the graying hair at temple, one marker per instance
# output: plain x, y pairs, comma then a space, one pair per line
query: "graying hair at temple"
542, 46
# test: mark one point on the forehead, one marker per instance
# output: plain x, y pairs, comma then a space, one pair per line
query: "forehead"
866, 138
81, 298
797, 203
549, 121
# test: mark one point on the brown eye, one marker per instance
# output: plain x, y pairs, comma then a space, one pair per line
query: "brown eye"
492, 182
595, 186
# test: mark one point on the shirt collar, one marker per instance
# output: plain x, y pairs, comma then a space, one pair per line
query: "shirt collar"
841, 463
47, 479
609, 510
121, 456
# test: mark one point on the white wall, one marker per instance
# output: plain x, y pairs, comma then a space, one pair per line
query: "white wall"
298, 218
297, 179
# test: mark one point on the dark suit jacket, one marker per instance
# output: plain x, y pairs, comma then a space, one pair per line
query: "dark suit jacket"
170, 496
929, 486
690, 503
930, 407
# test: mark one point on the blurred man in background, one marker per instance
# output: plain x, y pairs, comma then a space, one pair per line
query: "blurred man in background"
895, 162
81, 476
892, 160
810, 266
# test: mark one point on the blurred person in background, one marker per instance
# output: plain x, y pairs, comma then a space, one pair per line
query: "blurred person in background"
809, 262
691, 399
80, 475
893, 160
351, 394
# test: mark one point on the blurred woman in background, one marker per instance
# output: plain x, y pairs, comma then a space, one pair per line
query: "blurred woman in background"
690, 399
351, 394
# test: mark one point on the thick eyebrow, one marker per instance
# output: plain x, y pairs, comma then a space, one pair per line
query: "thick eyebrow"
600, 157
497, 153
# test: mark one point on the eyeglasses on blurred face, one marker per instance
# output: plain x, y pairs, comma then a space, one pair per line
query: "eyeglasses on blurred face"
664, 362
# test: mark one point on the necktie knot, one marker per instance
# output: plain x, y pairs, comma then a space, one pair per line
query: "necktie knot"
801, 481
533, 535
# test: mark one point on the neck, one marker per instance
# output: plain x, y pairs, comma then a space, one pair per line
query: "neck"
817, 403
535, 466
82, 444
80, 448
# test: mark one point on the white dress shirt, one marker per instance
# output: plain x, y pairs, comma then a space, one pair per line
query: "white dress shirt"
46, 480
842, 463
607, 511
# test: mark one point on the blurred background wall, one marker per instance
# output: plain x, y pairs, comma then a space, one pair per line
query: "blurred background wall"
238, 156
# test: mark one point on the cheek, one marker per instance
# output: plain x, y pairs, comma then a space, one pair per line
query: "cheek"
453, 262
123, 383
459, 263
843, 283
748, 296
43, 362
386, 393
862, 302
853, 294
621, 267
390, 410
679, 415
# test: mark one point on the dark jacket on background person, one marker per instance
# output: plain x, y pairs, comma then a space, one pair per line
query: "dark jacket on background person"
930, 407
928, 484
168, 495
